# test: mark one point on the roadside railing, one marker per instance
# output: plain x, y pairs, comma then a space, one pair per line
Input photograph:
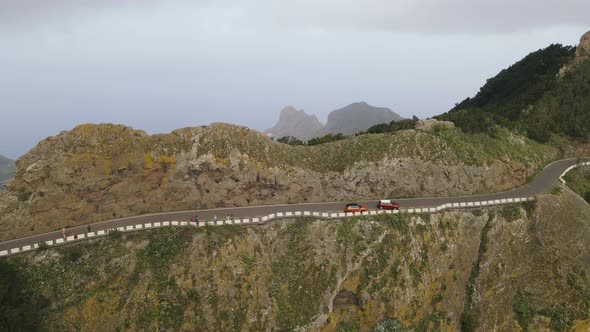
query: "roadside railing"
257, 220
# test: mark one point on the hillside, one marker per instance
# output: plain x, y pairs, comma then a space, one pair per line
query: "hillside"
100, 172
546, 93
506, 269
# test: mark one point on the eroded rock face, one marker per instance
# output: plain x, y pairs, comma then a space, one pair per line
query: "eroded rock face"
582, 54
583, 49
101, 172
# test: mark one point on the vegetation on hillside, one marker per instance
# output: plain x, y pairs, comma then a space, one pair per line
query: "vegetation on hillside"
565, 109
579, 181
531, 98
392, 126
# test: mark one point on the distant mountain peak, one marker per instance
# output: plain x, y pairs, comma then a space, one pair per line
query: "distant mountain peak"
348, 120
296, 123
357, 117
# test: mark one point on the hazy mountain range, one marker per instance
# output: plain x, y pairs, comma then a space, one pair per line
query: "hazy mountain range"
6, 169
348, 120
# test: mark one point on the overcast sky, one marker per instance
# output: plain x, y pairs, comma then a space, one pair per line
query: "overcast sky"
158, 65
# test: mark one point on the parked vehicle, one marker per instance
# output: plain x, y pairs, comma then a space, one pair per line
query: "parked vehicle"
387, 204
355, 207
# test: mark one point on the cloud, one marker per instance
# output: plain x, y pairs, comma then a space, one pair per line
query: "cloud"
431, 16
418, 16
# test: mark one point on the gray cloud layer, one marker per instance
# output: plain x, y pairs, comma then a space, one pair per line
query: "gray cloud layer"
423, 16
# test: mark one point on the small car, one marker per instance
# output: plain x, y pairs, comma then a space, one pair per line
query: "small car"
355, 207
387, 204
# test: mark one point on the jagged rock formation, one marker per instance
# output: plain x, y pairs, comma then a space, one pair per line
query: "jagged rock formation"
358, 117
582, 54
100, 172
517, 267
297, 124
583, 49
349, 120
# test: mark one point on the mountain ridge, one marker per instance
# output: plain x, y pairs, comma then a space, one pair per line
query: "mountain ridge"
351, 119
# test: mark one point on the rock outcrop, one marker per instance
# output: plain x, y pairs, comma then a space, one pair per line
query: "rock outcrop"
297, 124
100, 172
358, 117
431, 124
582, 54
583, 49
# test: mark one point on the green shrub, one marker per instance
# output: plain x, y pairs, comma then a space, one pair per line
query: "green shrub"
20, 308
291, 140
42, 246
469, 321
393, 126
23, 195
115, 234
510, 212
390, 325
73, 254
438, 298
523, 311
529, 207
326, 139
561, 317
345, 326
556, 190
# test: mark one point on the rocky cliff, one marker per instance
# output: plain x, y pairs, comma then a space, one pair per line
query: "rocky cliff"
512, 268
582, 54
297, 124
357, 117
100, 172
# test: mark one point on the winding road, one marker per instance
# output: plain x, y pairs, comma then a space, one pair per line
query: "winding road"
542, 183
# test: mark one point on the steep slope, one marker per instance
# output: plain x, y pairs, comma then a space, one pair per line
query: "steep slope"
514, 89
297, 124
519, 266
546, 93
357, 117
100, 172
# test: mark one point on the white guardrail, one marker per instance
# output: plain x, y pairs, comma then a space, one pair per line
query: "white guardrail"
570, 168
261, 220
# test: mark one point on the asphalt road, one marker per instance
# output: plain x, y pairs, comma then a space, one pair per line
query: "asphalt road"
543, 182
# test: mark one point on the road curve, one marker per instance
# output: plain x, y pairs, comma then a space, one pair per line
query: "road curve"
541, 183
